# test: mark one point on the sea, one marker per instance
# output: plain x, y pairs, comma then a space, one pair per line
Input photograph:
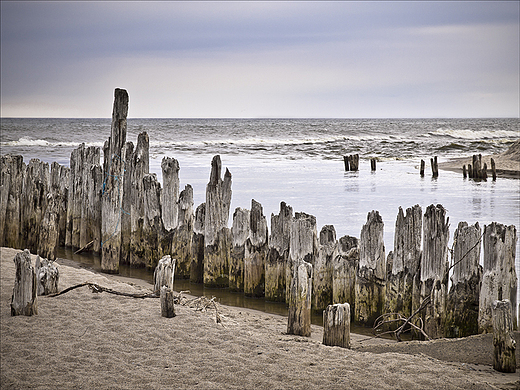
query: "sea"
300, 162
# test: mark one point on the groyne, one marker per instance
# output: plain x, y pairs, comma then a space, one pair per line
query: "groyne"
120, 211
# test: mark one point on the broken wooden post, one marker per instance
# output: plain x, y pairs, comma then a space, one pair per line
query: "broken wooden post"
257, 248
303, 245
164, 274
299, 319
345, 267
434, 266
345, 161
127, 203
47, 276
493, 169
477, 166
240, 233
354, 162
373, 164
217, 236
24, 300
423, 164
183, 233
170, 193
435, 166
278, 254
112, 195
323, 268
463, 298
12, 172
49, 229
60, 179
504, 358
336, 325
371, 274
470, 171
403, 283
499, 280
197, 245
167, 302
89, 202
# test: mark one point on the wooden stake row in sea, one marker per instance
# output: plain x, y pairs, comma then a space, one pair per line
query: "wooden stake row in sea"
130, 218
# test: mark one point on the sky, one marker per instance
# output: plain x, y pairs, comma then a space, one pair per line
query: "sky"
291, 59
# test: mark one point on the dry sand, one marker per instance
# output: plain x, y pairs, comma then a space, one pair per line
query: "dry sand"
98, 341
507, 164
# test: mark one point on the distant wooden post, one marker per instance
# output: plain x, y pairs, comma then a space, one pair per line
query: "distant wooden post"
299, 320
24, 300
504, 359
484, 172
435, 167
167, 305
345, 161
470, 171
373, 164
336, 325
464, 174
354, 162
422, 167
493, 169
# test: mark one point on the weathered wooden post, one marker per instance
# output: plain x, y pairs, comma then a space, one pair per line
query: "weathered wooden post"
345, 267
12, 172
493, 169
77, 161
504, 358
373, 164
217, 236
197, 245
336, 325
256, 251
403, 282
464, 173
371, 274
89, 202
24, 300
484, 172
423, 164
354, 162
303, 245
499, 280
299, 320
49, 229
435, 166
170, 194
346, 162
164, 274
434, 266
275, 266
470, 171
47, 276
167, 302
323, 268
60, 179
183, 233
112, 196
240, 233
463, 298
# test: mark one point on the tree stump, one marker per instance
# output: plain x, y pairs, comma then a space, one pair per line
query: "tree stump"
504, 359
24, 300
167, 302
336, 325
299, 320
164, 274
279, 240
47, 275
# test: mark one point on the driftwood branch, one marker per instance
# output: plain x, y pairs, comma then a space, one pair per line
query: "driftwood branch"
96, 288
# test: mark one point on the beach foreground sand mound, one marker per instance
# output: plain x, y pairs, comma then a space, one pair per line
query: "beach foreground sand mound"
507, 163
86, 340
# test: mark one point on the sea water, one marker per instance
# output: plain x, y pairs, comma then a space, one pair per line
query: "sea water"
300, 162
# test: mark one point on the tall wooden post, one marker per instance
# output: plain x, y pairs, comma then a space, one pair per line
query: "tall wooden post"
504, 358
24, 300
299, 320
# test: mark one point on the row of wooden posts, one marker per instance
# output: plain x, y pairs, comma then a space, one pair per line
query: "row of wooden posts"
120, 211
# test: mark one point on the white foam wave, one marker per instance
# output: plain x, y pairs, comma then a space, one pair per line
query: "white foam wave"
26, 141
474, 134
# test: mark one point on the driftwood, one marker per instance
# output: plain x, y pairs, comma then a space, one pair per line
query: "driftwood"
96, 288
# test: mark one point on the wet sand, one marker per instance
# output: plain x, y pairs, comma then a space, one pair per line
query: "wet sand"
87, 340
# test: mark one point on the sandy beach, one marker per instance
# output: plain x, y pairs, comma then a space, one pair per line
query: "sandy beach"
99, 340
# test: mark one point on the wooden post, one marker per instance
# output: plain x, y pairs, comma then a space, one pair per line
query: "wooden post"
499, 280
435, 166
183, 234
493, 169
12, 171
371, 274
373, 164
484, 171
336, 325
299, 320
239, 233
504, 359
167, 302
470, 171
323, 269
24, 300
164, 274
170, 193
345, 267
346, 162
197, 245
463, 298
422, 167
256, 251
278, 256
354, 162
47, 276
464, 173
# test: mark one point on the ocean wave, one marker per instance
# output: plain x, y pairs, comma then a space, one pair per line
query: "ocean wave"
27, 141
474, 134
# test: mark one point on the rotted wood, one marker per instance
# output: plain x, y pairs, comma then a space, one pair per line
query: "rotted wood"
256, 251
197, 245
504, 358
336, 325
240, 233
24, 299
323, 269
299, 318
164, 273
345, 266
47, 276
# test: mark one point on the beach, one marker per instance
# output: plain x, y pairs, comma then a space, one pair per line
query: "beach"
98, 340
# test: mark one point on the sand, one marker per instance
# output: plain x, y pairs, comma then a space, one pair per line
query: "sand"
507, 164
82, 340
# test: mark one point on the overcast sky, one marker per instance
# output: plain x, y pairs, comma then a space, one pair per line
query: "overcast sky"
261, 59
